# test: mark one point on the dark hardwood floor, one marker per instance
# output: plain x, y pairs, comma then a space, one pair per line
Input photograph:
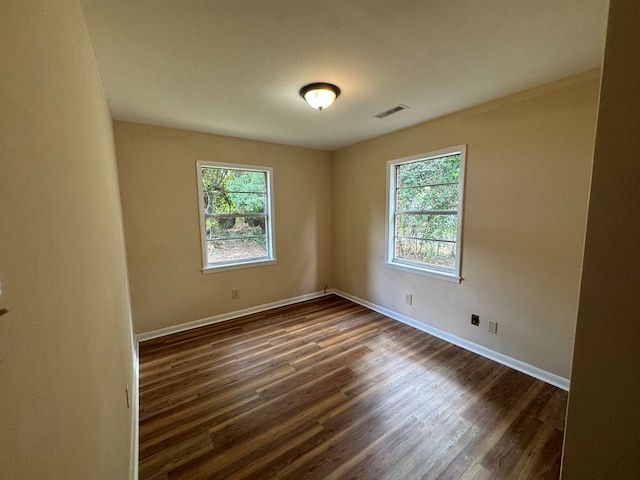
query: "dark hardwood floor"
328, 389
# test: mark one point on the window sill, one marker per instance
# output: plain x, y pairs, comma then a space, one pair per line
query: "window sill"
237, 265
449, 277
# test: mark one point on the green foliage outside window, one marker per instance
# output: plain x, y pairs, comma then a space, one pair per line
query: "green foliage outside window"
235, 207
426, 221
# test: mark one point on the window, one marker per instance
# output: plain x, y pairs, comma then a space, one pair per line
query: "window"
235, 215
425, 213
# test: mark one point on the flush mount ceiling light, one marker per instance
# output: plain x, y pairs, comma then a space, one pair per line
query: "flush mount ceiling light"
320, 95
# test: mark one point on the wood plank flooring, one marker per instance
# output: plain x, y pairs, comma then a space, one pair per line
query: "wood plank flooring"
327, 389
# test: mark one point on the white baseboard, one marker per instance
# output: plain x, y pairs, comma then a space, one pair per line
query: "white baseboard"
135, 407
141, 337
545, 376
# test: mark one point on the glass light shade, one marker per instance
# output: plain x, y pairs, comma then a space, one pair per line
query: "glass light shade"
320, 98
320, 95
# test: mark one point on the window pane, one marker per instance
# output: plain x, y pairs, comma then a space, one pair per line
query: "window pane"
248, 181
435, 227
235, 227
248, 202
219, 202
439, 197
236, 238
224, 250
214, 178
429, 172
442, 254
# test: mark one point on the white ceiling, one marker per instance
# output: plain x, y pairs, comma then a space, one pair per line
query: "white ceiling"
234, 67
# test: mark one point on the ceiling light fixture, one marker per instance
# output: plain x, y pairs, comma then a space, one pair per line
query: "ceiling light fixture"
320, 95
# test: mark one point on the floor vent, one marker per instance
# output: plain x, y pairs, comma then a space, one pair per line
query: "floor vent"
391, 111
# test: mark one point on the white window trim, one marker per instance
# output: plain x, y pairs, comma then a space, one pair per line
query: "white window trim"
270, 259
418, 268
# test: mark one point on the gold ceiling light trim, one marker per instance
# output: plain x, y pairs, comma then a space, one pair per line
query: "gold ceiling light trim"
320, 95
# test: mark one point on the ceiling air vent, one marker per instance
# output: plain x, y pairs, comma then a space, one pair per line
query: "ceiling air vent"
391, 111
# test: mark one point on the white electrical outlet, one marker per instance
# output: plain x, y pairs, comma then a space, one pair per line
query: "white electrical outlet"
408, 298
493, 327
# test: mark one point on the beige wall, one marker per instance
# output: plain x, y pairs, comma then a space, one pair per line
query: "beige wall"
68, 338
528, 165
157, 170
602, 435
